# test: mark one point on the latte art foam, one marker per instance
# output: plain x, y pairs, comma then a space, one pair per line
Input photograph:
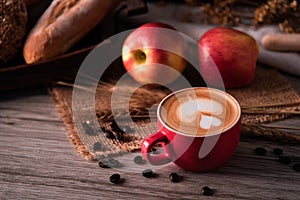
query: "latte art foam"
199, 112
204, 109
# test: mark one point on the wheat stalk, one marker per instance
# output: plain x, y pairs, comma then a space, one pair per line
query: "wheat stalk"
281, 127
269, 132
273, 112
271, 105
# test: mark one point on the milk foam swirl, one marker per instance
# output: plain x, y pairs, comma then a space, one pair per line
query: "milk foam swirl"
204, 109
199, 112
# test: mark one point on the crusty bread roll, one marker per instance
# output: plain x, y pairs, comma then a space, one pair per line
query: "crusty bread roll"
281, 41
13, 22
63, 24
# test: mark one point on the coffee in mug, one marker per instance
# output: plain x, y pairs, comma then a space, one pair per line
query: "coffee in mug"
199, 129
199, 112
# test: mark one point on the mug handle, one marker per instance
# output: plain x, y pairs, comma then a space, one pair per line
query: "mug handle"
152, 140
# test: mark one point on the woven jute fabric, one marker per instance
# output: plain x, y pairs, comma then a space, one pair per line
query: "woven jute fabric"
269, 98
270, 94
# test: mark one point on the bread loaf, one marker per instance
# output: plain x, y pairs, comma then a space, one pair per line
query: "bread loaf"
13, 22
63, 24
281, 42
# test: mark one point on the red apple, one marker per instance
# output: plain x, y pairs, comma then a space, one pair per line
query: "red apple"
151, 53
233, 52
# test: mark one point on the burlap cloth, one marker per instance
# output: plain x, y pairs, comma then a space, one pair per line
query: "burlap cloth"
269, 98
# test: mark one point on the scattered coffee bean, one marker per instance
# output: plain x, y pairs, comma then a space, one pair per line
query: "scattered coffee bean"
87, 128
174, 177
296, 167
97, 146
139, 160
114, 127
277, 151
148, 173
115, 178
103, 165
109, 134
284, 160
207, 191
260, 151
113, 163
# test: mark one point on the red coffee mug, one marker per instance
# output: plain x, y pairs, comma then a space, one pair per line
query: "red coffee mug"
193, 152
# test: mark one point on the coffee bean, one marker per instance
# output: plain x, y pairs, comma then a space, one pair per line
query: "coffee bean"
97, 146
139, 160
113, 163
148, 173
277, 151
207, 191
296, 167
109, 134
103, 165
87, 128
115, 178
284, 160
174, 177
260, 151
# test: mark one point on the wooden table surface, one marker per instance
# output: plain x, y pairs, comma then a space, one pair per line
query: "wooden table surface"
37, 161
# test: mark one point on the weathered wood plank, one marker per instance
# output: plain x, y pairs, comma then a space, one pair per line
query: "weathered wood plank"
38, 162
